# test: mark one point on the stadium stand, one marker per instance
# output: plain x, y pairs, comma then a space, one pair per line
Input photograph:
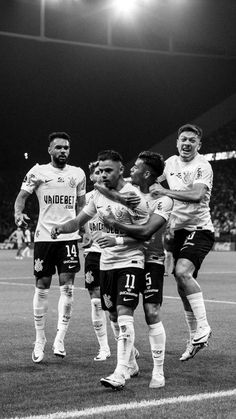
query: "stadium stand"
223, 202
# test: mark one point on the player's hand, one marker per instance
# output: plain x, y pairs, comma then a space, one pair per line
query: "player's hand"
21, 220
106, 242
87, 241
156, 190
108, 219
130, 199
56, 231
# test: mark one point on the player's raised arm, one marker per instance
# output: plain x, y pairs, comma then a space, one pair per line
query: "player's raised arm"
71, 226
194, 194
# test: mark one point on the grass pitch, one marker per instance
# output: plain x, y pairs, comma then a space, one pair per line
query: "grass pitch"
204, 387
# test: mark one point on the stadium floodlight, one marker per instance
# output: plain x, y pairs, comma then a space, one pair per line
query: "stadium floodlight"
124, 7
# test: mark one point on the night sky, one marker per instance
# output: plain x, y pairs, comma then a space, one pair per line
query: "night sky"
123, 100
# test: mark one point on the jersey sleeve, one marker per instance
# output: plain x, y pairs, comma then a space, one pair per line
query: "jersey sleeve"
90, 207
31, 180
81, 188
204, 174
140, 214
163, 207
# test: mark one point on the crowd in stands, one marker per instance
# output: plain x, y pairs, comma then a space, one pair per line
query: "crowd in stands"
223, 202
223, 139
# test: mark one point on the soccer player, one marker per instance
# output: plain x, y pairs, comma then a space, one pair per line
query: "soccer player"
26, 251
60, 189
19, 238
121, 265
189, 176
147, 168
92, 274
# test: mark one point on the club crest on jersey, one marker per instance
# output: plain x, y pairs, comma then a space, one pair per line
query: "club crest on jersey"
89, 278
38, 265
29, 179
72, 182
199, 173
186, 177
119, 212
107, 300
159, 206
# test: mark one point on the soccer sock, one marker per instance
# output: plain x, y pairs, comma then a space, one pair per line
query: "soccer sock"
99, 321
40, 308
115, 328
64, 310
191, 323
157, 339
198, 307
125, 342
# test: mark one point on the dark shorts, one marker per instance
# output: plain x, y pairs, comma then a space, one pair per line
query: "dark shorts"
120, 287
92, 270
152, 286
192, 245
62, 255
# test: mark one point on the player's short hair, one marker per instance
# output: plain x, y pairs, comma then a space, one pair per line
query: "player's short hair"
60, 134
110, 155
192, 128
92, 166
154, 161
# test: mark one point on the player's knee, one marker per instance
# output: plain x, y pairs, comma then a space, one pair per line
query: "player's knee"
182, 276
152, 313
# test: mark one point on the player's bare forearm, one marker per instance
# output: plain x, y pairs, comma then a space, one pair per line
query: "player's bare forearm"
140, 232
70, 226
81, 201
195, 194
21, 218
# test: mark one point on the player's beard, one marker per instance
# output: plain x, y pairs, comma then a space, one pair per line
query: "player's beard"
60, 161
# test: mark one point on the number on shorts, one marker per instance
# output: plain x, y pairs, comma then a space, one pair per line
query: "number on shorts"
130, 281
71, 250
148, 279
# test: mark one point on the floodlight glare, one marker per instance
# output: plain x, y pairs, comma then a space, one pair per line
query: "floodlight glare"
124, 7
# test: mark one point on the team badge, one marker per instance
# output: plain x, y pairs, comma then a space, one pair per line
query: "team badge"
107, 300
199, 173
30, 180
159, 206
72, 182
119, 212
38, 265
89, 278
186, 177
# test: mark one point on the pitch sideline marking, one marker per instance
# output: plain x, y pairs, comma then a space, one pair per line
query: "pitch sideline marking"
21, 284
133, 405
